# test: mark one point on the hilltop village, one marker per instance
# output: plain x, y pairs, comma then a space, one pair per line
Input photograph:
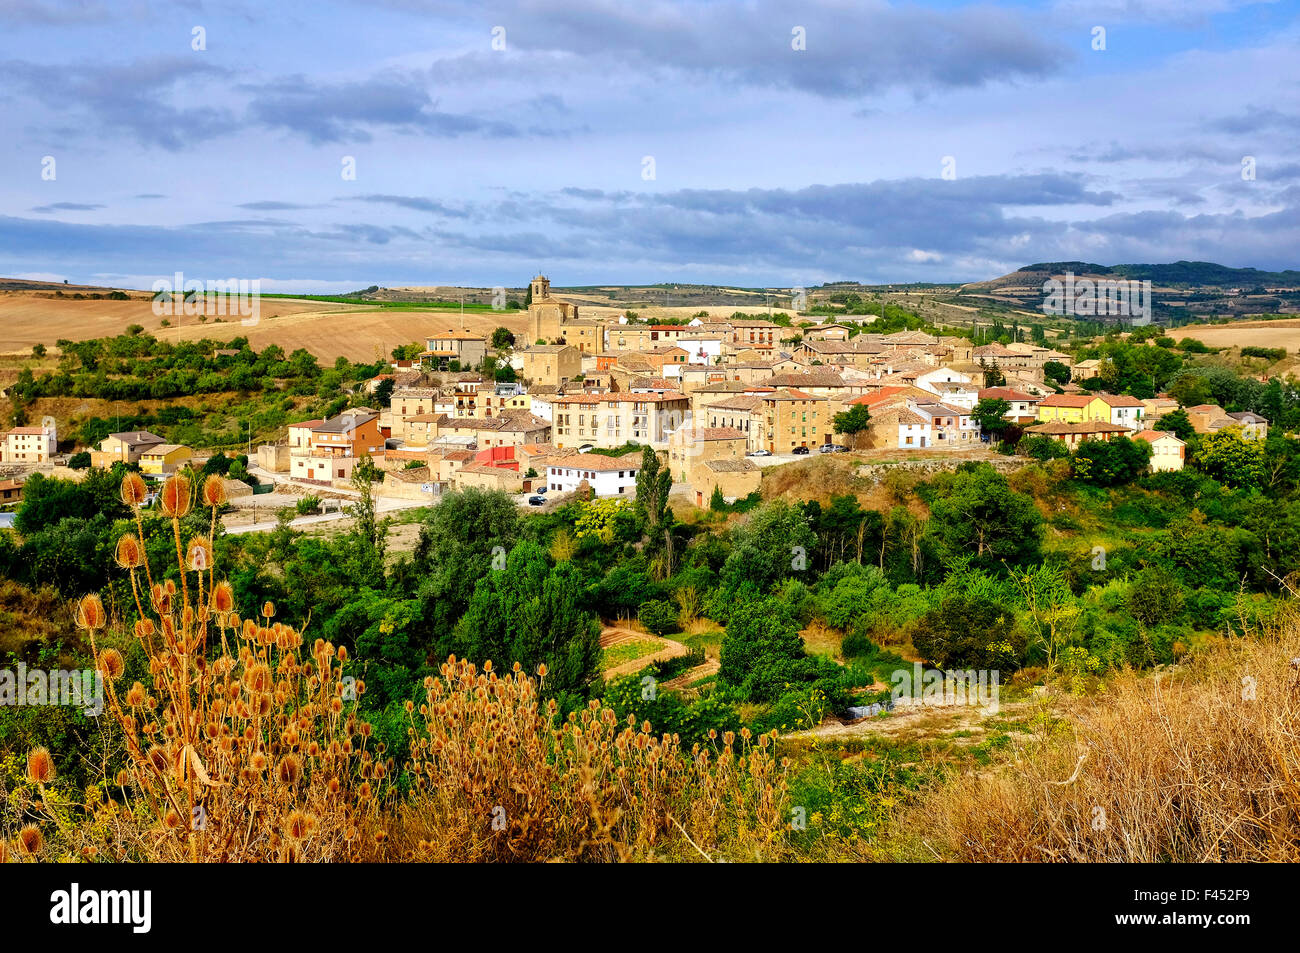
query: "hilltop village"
571, 405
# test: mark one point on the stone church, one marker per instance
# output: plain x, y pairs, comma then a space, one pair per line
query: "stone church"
555, 321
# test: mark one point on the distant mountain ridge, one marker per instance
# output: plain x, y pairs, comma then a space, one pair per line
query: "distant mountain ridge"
1193, 273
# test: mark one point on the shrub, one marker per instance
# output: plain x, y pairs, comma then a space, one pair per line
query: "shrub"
967, 632
658, 616
308, 505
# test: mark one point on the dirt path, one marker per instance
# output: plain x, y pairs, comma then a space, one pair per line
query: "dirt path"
919, 721
690, 676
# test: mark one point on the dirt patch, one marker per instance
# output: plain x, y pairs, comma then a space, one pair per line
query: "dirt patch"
921, 721
618, 635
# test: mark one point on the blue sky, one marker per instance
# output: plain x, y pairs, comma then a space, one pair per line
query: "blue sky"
771, 165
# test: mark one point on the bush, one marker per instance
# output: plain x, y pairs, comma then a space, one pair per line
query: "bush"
970, 633
308, 505
658, 616
1042, 448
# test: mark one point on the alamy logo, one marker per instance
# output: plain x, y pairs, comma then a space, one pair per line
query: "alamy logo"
75, 688
936, 687
132, 907
1087, 298
233, 296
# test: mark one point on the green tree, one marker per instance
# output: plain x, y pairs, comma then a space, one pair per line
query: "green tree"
974, 512
659, 616
532, 613
761, 649
969, 632
991, 414
1178, 423
1111, 462
1230, 458
502, 338
854, 420
772, 544
1155, 597
458, 542
653, 483
1057, 372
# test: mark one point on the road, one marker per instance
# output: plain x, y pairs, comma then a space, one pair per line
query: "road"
382, 505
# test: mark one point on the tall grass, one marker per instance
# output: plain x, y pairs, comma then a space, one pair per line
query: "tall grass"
1194, 765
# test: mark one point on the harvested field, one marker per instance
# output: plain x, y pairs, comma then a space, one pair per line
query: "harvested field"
1282, 333
327, 330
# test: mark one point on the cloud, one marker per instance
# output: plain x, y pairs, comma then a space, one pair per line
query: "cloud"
66, 207
272, 206
414, 203
338, 112
849, 49
134, 97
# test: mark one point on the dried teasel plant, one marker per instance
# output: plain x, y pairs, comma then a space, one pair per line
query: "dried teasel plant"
234, 748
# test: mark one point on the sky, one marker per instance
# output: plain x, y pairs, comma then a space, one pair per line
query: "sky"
329, 146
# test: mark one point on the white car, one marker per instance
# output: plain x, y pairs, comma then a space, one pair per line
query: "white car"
759, 453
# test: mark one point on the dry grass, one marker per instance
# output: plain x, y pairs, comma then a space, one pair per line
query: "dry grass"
1185, 766
821, 639
1279, 333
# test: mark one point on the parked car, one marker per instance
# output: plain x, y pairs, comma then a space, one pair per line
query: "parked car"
832, 448
536, 500
800, 450
586, 448
759, 453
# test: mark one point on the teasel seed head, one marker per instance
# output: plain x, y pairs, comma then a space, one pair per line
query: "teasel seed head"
198, 556
214, 491
177, 496
111, 664
299, 825
40, 766
90, 613
129, 553
133, 490
30, 840
290, 769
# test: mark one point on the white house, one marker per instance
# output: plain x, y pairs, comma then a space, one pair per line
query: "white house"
542, 405
950, 427
29, 445
1024, 407
607, 476
1167, 451
1124, 410
961, 394
702, 348
901, 428
926, 380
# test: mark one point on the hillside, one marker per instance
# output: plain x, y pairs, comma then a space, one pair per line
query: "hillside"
1182, 291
